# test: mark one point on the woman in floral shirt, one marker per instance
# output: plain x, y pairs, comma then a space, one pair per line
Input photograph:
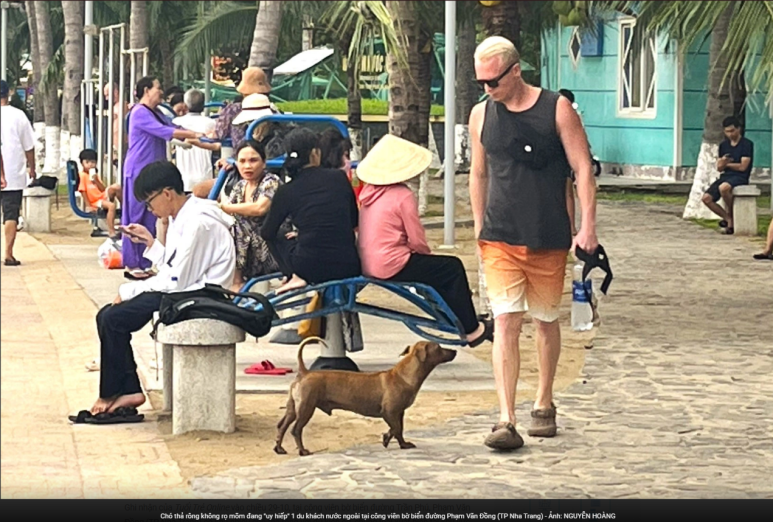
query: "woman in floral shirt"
249, 203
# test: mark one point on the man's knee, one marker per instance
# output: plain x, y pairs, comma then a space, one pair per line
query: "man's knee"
726, 189
108, 205
102, 313
546, 326
707, 199
509, 325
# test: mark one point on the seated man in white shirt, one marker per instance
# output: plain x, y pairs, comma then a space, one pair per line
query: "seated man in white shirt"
195, 163
199, 250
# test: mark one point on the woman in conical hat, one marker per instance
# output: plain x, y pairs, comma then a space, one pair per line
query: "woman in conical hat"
392, 242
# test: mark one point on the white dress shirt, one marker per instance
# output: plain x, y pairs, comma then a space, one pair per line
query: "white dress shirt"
199, 250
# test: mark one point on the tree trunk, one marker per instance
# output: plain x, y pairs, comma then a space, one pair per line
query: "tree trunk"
404, 96
424, 80
73, 63
466, 94
39, 112
139, 25
503, 19
466, 88
406, 100
353, 109
265, 40
718, 106
50, 94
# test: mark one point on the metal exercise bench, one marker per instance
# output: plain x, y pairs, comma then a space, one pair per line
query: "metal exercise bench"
73, 181
341, 296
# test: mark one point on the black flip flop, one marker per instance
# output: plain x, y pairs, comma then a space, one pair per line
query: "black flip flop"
723, 224
12, 261
761, 257
119, 416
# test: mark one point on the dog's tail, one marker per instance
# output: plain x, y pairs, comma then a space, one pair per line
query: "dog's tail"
302, 367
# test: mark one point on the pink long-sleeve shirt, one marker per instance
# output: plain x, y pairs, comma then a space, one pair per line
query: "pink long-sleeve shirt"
390, 230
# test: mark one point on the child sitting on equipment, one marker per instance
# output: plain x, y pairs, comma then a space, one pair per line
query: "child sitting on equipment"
94, 192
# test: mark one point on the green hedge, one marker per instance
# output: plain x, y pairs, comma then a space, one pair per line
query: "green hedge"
338, 106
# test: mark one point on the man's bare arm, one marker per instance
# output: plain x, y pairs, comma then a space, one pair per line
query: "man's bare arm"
30, 154
739, 167
575, 142
478, 167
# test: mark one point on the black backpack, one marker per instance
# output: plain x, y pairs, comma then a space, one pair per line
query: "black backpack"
253, 313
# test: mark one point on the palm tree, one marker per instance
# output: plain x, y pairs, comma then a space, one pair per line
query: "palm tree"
718, 105
503, 19
73, 68
265, 40
740, 40
139, 26
167, 21
49, 89
38, 117
356, 26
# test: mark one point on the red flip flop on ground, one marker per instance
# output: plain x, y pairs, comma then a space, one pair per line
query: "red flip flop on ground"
266, 368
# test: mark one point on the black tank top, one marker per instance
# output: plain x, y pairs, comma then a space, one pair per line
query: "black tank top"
527, 169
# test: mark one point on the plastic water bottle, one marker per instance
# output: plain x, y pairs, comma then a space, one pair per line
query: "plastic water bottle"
582, 313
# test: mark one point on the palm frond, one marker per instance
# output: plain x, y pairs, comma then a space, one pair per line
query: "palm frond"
226, 23
109, 13
360, 24
749, 45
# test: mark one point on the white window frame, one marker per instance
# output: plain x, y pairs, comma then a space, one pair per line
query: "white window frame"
649, 44
575, 35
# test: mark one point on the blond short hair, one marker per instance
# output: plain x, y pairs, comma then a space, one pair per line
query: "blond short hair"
494, 46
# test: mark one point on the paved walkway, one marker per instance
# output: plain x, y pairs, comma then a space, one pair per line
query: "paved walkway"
674, 400
47, 330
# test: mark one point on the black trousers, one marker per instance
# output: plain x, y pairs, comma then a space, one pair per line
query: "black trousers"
115, 325
446, 275
312, 271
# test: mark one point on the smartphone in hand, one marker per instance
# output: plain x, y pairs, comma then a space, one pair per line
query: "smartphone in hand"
129, 233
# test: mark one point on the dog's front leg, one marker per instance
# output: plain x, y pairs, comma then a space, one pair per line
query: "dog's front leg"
395, 421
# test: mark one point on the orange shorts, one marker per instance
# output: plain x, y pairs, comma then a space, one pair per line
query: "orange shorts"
519, 279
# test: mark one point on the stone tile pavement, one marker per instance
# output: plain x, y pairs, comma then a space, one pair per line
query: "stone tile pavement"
675, 399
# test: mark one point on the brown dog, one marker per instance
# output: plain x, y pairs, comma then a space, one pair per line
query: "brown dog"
384, 394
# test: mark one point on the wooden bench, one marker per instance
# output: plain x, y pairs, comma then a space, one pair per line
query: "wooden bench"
745, 210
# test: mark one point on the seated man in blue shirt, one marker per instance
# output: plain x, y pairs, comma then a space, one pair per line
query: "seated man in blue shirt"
736, 154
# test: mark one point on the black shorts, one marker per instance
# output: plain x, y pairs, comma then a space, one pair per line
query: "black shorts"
10, 202
732, 180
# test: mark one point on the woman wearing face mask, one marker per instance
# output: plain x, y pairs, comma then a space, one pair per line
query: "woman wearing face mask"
249, 203
148, 133
322, 207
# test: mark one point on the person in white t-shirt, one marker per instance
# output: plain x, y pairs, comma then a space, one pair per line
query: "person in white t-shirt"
18, 151
195, 163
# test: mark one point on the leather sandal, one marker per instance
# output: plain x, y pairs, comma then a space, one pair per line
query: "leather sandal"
543, 422
503, 437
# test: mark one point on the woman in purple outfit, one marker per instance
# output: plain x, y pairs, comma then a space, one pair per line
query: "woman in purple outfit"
148, 133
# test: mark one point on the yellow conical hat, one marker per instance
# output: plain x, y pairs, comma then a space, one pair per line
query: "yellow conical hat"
393, 160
